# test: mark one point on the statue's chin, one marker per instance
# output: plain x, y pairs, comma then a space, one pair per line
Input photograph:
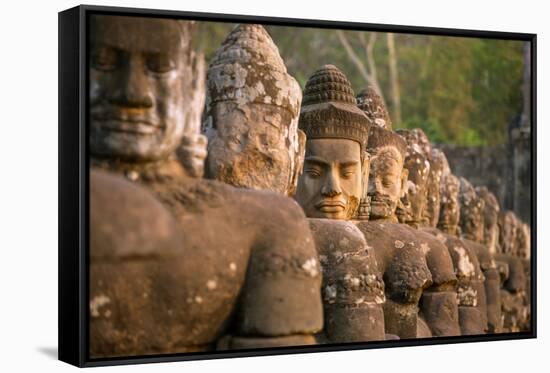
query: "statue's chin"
129, 147
380, 211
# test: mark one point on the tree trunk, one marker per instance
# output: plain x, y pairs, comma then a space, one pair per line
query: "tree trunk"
369, 74
394, 79
526, 86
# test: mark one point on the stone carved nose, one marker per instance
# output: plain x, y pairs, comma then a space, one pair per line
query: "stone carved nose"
331, 188
373, 185
134, 89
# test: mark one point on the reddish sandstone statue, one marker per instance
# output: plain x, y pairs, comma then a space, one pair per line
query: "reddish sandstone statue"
329, 191
439, 305
251, 117
402, 252
515, 305
176, 261
472, 218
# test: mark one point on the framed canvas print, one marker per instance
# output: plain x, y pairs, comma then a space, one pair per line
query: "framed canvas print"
237, 186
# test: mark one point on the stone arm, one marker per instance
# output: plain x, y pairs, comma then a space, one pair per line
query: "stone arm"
151, 287
405, 274
280, 302
516, 280
491, 290
353, 290
514, 295
438, 303
470, 289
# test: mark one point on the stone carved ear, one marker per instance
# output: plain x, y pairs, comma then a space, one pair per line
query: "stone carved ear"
365, 170
404, 178
192, 154
298, 163
197, 94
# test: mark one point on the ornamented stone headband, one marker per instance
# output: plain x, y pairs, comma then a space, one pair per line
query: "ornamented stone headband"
379, 137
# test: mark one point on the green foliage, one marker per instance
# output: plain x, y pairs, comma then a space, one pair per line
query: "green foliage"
458, 90
434, 130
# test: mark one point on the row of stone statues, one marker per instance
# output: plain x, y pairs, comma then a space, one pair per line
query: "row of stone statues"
315, 221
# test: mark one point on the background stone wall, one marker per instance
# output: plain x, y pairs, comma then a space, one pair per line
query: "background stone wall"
505, 169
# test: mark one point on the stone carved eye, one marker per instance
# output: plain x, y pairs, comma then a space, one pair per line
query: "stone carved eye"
105, 59
313, 172
160, 63
348, 173
387, 182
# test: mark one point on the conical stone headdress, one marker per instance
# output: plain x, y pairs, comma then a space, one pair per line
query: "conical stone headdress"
329, 108
249, 69
372, 104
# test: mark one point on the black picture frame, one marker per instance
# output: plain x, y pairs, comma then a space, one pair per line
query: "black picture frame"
74, 184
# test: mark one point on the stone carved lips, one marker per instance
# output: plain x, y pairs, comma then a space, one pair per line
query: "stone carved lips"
127, 123
330, 206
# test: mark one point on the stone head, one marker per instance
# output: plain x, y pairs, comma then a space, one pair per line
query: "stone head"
490, 218
387, 177
438, 166
507, 232
471, 212
139, 83
449, 214
417, 139
524, 241
423, 142
251, 117
373, 105
416, 163
520, 239
335, 164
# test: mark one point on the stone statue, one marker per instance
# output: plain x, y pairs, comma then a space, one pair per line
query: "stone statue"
439, 302
524, 253
472, 217
507, 232
329, 191
251, 118
331, 184
415, 197
373, 106
401, 256
470, 288
176, 261
402, 261
490, 240
438, 165
515, 304
490, 218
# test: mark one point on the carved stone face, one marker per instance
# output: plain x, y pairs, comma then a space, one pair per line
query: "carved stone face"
449, 213
415, 191
471, 212
137, 87
254, 146
490, 218
430, 215
330, 185
386, 184
524, 241
507, 231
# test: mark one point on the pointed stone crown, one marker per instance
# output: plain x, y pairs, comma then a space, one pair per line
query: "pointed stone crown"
329, 108
247, 68
372, 104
